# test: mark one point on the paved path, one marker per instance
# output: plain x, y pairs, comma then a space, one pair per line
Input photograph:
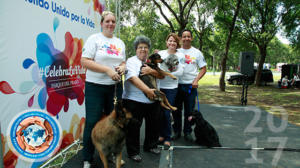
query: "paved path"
237, 126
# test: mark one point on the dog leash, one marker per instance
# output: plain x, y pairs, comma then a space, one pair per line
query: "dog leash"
115, 93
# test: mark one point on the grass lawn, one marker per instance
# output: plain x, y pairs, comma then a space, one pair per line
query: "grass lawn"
265, 97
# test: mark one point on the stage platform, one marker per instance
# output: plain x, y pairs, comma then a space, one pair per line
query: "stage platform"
239, 127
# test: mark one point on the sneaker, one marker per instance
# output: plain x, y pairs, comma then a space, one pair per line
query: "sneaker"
122, 162
188, 137
86, 164
136, 158
153, 150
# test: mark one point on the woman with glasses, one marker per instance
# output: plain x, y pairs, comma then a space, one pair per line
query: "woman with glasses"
103, 55
136, 99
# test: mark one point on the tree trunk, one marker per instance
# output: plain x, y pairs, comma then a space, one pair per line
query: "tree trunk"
224, 59
263, 54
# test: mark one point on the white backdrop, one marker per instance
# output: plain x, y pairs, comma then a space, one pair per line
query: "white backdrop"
40, 50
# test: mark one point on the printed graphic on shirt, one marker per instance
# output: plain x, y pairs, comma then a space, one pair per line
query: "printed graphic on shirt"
188, 59
111, 49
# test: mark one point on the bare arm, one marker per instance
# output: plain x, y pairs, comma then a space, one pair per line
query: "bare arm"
147, 70
199, 76
93, 66
142, 86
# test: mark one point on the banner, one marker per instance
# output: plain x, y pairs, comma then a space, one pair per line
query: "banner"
42, 80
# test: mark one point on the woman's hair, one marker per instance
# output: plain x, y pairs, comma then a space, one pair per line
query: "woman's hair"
175, 37
141, 40
105, 13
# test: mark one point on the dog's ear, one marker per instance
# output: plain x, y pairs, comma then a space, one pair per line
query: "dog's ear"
154, 57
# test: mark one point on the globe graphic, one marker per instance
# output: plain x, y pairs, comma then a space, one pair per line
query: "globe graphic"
34, 135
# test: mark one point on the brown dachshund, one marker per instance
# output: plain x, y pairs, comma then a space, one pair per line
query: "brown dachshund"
150, 80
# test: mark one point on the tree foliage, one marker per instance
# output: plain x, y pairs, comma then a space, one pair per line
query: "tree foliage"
291, 21
257, 24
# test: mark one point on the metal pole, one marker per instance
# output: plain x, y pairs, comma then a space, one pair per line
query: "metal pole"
1, 152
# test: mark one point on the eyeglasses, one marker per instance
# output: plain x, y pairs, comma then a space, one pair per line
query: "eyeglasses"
143, 48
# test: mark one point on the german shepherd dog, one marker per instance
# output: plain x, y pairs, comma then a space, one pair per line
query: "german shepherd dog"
109, 133
205, 133
150, 80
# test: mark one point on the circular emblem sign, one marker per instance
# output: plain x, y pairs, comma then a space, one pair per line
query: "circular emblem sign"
34, 135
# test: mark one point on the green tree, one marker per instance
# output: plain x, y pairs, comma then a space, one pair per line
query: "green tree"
227, 12
259, 22
180, 10
291, 21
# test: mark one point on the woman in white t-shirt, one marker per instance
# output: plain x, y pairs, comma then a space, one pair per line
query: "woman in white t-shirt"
168, 85
103, 55
136, 100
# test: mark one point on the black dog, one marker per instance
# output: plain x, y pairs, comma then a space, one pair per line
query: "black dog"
150, 80
205, 133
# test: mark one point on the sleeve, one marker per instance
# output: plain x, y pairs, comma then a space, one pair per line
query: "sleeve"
123, 50
132, 68
89, 48
201, 60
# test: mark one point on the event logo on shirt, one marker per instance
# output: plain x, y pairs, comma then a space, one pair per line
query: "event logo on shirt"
34, 135
189, 59
112, 49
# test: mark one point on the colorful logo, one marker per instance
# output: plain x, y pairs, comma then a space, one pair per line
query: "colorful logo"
112, 49
34, 135
188, 59
55, 73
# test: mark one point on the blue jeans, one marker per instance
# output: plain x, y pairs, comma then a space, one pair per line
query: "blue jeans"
186, 96
98, 102
166, 118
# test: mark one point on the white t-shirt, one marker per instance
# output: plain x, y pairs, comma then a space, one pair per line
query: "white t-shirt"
168, 82
296, 78
105, 51
193, 60
131, 92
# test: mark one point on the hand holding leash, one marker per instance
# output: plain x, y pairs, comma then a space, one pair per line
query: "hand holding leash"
114, 75
120, 69
195, 84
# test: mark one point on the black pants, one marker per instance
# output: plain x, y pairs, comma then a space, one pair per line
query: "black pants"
185, 97
98, 102
151, 113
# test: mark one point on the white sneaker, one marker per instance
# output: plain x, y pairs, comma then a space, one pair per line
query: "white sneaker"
122, 162
86, 164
